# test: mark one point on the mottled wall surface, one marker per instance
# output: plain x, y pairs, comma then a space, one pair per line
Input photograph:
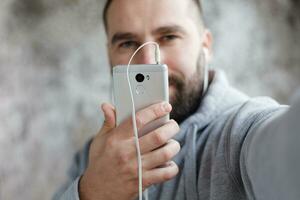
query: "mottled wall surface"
54, 75
257, 43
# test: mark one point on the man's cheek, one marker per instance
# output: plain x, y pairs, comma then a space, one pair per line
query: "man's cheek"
172, 90
172, 93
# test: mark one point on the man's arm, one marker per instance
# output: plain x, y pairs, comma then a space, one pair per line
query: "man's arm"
272, 157
70, 190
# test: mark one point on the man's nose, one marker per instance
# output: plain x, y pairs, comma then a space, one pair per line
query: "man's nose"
146, 55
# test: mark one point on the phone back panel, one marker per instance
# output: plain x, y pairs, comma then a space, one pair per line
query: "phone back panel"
153, 89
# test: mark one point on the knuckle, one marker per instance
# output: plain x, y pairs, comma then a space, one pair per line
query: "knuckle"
167, 175
177, 145
131, 170
139, 121
175, 167
123, 157
157, 110
167, 154
158, 138
175, 125
170, 173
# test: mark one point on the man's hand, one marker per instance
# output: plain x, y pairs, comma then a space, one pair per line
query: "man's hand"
112, 172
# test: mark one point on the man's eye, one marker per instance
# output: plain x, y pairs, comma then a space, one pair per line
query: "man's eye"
167, 38
128, 44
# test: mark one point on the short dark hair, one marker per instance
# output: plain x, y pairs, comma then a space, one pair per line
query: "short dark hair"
108, 2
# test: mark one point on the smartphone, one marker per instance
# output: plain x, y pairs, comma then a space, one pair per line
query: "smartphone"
149, 84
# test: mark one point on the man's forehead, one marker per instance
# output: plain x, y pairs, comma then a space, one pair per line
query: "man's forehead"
134, 4
146, 15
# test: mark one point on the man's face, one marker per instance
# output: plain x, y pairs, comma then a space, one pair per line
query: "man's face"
173, 24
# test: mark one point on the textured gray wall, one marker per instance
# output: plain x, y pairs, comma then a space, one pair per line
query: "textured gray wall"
54, 75
257, 43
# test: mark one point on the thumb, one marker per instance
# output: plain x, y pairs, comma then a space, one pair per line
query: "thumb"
109, 117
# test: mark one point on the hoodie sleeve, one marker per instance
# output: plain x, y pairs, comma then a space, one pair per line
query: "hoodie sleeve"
69, 191
271, 157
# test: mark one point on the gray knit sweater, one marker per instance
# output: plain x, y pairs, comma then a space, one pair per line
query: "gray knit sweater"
231, 148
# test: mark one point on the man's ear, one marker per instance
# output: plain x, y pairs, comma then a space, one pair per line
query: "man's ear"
207, 43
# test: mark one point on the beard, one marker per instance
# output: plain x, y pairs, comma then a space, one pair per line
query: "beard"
187, 95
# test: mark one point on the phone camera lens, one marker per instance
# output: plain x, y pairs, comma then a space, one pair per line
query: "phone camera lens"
139, 78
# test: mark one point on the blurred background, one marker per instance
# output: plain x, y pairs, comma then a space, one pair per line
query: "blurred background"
54, 75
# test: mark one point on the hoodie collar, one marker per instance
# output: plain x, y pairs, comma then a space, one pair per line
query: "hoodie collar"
219, 97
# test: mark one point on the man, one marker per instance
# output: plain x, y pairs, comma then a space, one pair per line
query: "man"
222, 145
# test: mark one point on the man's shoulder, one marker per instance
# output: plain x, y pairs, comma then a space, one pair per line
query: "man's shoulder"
239, 119
252, 107
257, 108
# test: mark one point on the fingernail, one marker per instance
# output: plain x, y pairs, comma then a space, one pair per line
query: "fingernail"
167, 107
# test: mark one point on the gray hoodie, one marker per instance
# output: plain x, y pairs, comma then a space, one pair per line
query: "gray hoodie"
218, 141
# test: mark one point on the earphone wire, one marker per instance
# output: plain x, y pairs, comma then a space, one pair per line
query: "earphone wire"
205, 75
140, 173
205, 79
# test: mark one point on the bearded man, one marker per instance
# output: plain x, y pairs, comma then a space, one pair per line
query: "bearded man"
220, 144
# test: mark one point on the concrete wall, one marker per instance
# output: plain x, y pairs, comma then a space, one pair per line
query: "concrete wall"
257, 43
54, 75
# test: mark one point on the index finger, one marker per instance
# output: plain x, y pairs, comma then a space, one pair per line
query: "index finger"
145, 116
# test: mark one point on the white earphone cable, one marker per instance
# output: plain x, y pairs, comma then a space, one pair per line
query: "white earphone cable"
157, 58
206, 74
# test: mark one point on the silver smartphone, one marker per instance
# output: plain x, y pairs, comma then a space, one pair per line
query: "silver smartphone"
149, 84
